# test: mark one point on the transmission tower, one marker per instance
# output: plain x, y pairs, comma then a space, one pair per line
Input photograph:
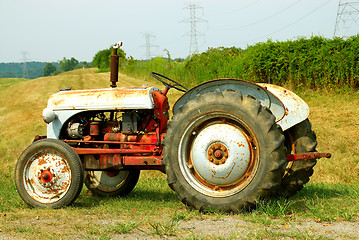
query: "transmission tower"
193, 20
347, 23
149, 39
25, 73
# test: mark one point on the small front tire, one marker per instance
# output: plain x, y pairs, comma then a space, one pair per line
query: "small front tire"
49, 174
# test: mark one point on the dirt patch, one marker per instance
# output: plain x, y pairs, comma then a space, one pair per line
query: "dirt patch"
225, 227
232, 228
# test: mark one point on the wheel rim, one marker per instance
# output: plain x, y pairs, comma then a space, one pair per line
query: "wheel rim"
218, 154
108, 181
47, 176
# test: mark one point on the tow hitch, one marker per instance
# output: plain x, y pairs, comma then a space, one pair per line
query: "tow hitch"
307, 156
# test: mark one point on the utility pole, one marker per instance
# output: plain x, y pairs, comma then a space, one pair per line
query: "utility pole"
25, 73
347, 23
193, 20
149, 39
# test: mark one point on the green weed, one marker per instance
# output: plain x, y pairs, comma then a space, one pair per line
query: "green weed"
165, 228
122, 227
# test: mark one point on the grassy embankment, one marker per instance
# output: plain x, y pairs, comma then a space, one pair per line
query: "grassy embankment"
152, 208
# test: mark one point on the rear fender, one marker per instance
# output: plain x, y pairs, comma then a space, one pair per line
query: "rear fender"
287, 107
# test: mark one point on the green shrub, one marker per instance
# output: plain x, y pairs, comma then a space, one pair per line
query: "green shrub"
303, 63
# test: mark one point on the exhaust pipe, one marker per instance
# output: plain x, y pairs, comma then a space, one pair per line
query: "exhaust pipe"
114, 65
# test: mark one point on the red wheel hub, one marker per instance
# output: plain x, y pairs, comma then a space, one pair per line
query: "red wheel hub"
46, 176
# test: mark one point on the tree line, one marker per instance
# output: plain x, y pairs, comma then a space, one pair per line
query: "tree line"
31, 70
64, 65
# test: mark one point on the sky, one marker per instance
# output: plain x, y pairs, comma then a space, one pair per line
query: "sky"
49, 30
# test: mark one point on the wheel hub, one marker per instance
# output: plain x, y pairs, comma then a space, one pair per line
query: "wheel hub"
217, 153
221, 155
46, 176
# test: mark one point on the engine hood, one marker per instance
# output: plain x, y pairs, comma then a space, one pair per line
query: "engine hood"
103, 99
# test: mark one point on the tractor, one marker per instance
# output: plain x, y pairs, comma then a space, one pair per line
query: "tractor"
229, 143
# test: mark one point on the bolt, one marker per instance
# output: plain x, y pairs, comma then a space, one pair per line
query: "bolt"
194, 133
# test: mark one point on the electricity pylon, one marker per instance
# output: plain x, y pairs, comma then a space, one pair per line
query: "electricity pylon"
193, 20
347, 23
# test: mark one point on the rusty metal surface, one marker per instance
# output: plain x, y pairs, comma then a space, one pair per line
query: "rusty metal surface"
296, 109
47, 176
287, 107
104, 162
114, 68
234, 171
116, 161
307, 156
102, 99
108, 142
110, 151
229, 169
142, 160
242, 86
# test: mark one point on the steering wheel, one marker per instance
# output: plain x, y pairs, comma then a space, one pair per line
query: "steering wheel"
170, 84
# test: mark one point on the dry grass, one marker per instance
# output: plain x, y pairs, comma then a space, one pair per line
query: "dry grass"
335, 120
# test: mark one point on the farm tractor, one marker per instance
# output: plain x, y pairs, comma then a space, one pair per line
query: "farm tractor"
229, 143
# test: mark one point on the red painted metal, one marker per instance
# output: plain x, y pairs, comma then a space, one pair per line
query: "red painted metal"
95, 129
85, 151
307, 156
140, 160
46, 176
113, 161
161, 109
107, 142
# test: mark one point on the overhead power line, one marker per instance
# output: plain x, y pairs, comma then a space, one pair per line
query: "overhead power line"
269, 17
242, 8
294, 22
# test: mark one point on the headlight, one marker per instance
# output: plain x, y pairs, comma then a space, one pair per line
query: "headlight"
48, 115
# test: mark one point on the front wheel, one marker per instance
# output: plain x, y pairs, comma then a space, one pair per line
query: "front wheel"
49, 174
224, 151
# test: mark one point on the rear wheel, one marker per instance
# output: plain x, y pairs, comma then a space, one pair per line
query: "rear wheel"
299, 139
111, 183
49, 174
224, 151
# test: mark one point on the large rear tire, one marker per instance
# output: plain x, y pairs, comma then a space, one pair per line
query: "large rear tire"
49, 174
299, 139
111, 183
224, 151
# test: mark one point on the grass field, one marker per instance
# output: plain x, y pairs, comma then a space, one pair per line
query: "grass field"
152, 210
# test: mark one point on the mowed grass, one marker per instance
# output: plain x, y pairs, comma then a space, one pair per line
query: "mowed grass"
152, 208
